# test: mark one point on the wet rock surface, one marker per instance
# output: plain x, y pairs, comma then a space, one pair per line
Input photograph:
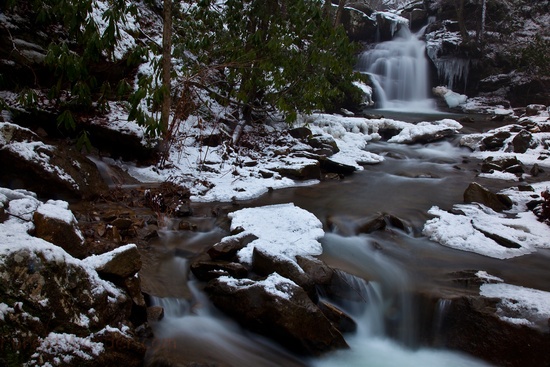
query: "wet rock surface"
475, 193
490, 338
289, 317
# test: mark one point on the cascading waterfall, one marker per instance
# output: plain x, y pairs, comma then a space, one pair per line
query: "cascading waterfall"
391, 327
387, 304
399, 72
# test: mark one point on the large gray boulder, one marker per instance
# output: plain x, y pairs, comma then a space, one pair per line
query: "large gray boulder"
279, 308
52, 172
479, 194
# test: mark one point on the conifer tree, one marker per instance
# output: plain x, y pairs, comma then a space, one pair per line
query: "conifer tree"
282, 55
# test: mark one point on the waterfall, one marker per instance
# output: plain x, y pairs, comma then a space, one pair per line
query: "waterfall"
399, 72
390, 310
388, 305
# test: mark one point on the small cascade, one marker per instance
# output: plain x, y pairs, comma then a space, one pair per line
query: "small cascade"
399, 71
441, 310
389, 308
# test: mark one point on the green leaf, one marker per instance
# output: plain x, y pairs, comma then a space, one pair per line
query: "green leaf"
66, 120
83, 141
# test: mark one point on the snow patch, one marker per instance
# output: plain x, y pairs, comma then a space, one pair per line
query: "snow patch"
283, 229
68, 346
520, 305
464, 231
274, 284
99, 261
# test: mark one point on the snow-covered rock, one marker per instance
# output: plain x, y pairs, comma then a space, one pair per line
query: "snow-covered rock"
54, 306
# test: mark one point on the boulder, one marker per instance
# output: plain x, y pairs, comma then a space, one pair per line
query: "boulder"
3, 215
417, 17
45, 290
228, 247
265, 263
496, 141
510, 165
278, 308
342, 321
381, 221
55, 223
319, 272
489, 337
301, 133
479, 194
308, 171
535, 171
118, 347
357, 22
330, 165
522, 141
324, 142
155, 313
120, 263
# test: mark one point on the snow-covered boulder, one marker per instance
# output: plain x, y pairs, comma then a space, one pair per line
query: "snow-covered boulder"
52, 172
452, 99
54, 308
55, 223
475, 193
276, 306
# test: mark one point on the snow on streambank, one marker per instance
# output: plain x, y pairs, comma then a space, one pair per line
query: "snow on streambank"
20, 206
466, 227
225, 173
474, 227
517, 305
537, 152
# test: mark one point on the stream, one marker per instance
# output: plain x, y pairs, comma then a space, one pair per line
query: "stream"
410, 181
386, 267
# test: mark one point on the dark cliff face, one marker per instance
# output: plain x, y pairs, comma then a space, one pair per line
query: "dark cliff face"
501, 43
500, 51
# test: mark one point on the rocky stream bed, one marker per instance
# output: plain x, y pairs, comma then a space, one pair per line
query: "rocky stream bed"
76, 290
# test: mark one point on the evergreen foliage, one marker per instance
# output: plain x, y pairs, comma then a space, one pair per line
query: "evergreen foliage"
78, 43
269, 55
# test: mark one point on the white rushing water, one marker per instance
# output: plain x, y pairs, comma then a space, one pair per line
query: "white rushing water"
193, 330
388, 319
399, 70
388, 303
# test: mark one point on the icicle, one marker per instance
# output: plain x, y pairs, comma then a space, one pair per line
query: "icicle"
453, 70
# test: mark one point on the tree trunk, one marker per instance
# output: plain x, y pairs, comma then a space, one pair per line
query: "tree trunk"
166, 65
459, 4
166, 70
482, 26
339, 12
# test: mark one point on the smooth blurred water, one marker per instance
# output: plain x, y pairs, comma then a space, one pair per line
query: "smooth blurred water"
399, 72
386, 267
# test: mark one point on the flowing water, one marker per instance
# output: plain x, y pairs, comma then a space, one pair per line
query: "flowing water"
385, 267
396, 263
399, 71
